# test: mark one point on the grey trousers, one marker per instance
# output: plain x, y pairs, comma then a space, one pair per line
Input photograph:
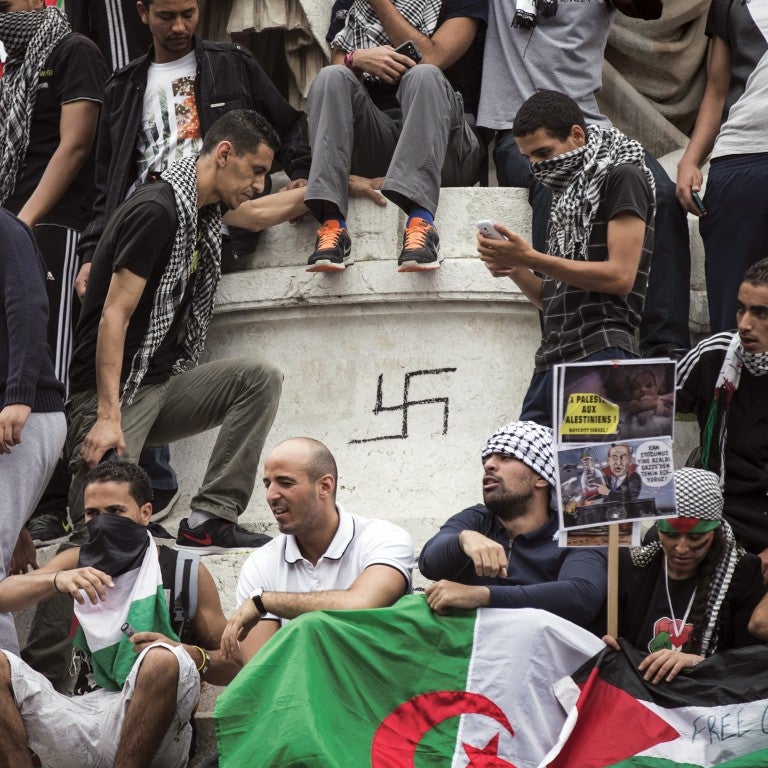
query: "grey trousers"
239, 394
24, 473
431, 146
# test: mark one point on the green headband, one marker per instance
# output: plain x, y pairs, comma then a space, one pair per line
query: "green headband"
687, 525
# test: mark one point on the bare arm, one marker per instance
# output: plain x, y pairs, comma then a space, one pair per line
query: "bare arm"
125, 290
376, 587
615, 276
61, 574
446, 46
268, 210
77, 129
707, 125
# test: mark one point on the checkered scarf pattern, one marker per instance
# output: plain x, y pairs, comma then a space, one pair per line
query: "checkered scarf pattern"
28, 38
736, 358
698, 495
576, 179
527, 441
362, 28
528, 11
196, 251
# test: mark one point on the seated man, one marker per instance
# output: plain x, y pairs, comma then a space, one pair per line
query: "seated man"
623, 482
600, 240
324, 559
504, 553
380, 110
724, 382
149, 682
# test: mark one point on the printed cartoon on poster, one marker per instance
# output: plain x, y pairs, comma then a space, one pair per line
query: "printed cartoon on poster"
614, 400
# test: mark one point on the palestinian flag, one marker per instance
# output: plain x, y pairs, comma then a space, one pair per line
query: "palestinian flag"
400, 687
138, 599
713, 715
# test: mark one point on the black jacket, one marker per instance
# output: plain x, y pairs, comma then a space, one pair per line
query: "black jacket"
228, 77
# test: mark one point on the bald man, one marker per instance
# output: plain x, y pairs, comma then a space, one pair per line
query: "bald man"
324, 558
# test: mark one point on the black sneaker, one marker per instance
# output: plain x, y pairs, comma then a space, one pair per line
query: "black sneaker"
421, 247
162, 503
333, 247
217, 535
47, 528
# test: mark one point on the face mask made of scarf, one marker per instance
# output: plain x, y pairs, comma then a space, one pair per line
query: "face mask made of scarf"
18, 29
558, 172
117, 544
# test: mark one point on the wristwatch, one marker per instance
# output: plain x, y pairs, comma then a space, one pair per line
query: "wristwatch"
258, 602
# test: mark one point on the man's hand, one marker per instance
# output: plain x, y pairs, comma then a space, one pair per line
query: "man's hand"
503, 257
244, 619
488, 556
103, 435
667, 664
359, 186
444, 595
142, 640
689, 179
383, 62
611, 642
81, 281
764, 562
295, 184
92, 581
12, 420
24, 553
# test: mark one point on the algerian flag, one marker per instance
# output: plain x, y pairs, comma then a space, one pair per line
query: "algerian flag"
137, 599
400, 687
713, 715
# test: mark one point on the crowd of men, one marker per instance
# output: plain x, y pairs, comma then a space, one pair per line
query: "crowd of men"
124, 197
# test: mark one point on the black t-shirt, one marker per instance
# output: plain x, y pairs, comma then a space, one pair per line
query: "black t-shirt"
464, 75
74, 71
139, 237
656, 629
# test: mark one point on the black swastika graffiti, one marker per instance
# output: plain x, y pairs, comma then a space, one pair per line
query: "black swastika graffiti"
406, 404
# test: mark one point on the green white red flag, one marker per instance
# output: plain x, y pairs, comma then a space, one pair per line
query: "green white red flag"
402, 687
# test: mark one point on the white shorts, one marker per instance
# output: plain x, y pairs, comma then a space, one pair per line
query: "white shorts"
84, 731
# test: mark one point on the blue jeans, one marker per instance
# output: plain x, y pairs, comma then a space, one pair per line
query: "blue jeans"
734, 231
537, 405
664, 325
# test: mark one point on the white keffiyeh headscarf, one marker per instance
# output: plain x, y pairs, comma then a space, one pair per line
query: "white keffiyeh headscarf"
528, 442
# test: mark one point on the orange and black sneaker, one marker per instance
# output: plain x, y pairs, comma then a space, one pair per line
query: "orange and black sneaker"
421, 247
332, 249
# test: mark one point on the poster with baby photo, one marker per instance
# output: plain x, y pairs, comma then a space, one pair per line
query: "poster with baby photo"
614, 400
621, 482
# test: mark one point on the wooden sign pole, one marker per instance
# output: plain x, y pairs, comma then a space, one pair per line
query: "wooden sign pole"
613, 580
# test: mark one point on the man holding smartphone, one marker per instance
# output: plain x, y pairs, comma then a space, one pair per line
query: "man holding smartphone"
388, 107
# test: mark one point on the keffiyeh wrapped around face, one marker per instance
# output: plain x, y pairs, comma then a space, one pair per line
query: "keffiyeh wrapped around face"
528, 442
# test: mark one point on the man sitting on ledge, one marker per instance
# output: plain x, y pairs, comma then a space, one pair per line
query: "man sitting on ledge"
147, 684
504, 553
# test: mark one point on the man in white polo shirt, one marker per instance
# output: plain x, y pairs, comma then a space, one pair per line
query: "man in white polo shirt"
325, 559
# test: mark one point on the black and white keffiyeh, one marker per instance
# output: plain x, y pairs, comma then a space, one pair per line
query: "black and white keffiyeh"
528, 442
698, 495
362, 28
576, 179
28, 38
528, 11
196, 251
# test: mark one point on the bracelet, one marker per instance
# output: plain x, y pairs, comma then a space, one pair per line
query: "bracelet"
55, 575
206, 660
349, 60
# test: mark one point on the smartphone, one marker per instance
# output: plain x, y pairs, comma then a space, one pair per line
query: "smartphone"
699, 203
486, 229
409, 49
128, 630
